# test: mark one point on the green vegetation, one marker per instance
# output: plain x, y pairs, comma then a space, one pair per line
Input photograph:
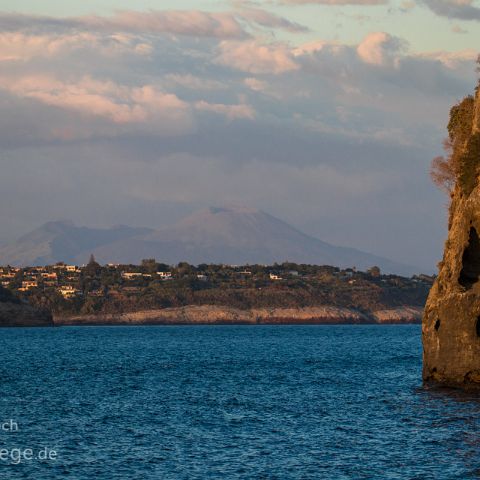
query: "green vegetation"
67, 290
7, 296
460, 166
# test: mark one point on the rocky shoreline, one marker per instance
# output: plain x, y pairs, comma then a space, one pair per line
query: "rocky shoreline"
220, 315
14, 314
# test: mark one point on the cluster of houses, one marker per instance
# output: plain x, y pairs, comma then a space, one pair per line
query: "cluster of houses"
63, 278
135, 275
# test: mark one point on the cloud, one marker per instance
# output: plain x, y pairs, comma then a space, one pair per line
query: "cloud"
265, 88
193, 82
255, 84
407, 5
180, 22
380, 48
458, 29
18, 46
461, 9
381, 61
255, 57
196, 23
187, 22
270, 20
335, 2
232, 112
452, 60
135, 110
119, 104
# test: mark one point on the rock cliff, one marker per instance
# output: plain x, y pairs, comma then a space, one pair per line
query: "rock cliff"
14, 314
451, 322
224, 315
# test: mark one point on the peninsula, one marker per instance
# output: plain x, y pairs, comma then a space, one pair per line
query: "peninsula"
156, 293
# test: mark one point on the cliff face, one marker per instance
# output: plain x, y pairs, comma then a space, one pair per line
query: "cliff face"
451, 322
224, 315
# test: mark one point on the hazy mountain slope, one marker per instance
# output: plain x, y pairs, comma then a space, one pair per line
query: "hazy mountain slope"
239, 236
62, 241
217, 235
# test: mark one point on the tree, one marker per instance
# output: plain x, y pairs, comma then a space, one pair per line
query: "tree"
456, 165
184, 268
442, 169
374, 271
148, 265
7, 296
93, 268
464, 143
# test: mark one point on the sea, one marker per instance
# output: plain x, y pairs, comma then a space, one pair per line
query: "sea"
229, 402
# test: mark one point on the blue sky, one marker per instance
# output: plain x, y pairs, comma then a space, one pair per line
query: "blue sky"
325, 115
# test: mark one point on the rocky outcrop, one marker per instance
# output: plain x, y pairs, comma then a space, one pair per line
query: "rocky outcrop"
223, 315
399, 315
14, 314
451, 323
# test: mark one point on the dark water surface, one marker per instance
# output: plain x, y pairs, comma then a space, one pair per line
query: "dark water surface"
272, 402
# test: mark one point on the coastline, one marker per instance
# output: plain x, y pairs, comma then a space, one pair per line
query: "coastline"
223, 315
24, 315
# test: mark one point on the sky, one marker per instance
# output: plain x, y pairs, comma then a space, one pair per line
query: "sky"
324, 113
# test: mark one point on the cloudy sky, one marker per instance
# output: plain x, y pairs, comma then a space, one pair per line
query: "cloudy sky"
325, 113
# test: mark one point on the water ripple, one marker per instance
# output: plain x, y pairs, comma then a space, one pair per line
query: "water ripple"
264, 402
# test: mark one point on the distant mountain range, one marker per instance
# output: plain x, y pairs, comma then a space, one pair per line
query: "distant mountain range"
216, 235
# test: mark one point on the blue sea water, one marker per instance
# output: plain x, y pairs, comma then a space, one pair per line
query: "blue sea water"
229, 402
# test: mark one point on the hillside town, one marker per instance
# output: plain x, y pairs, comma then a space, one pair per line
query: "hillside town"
92, 288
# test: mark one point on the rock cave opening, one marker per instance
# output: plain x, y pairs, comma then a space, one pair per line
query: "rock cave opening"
437, 324
471, 261
477, 326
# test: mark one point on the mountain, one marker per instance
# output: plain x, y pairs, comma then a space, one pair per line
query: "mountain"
217, 235
62, 241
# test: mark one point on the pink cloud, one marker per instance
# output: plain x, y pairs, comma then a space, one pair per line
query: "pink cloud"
227, 24
380, 48
187, 22
452, 60
253, 57
117, 103
180, 22
18, 46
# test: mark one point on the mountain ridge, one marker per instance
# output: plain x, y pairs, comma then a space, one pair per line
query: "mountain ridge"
230, 235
